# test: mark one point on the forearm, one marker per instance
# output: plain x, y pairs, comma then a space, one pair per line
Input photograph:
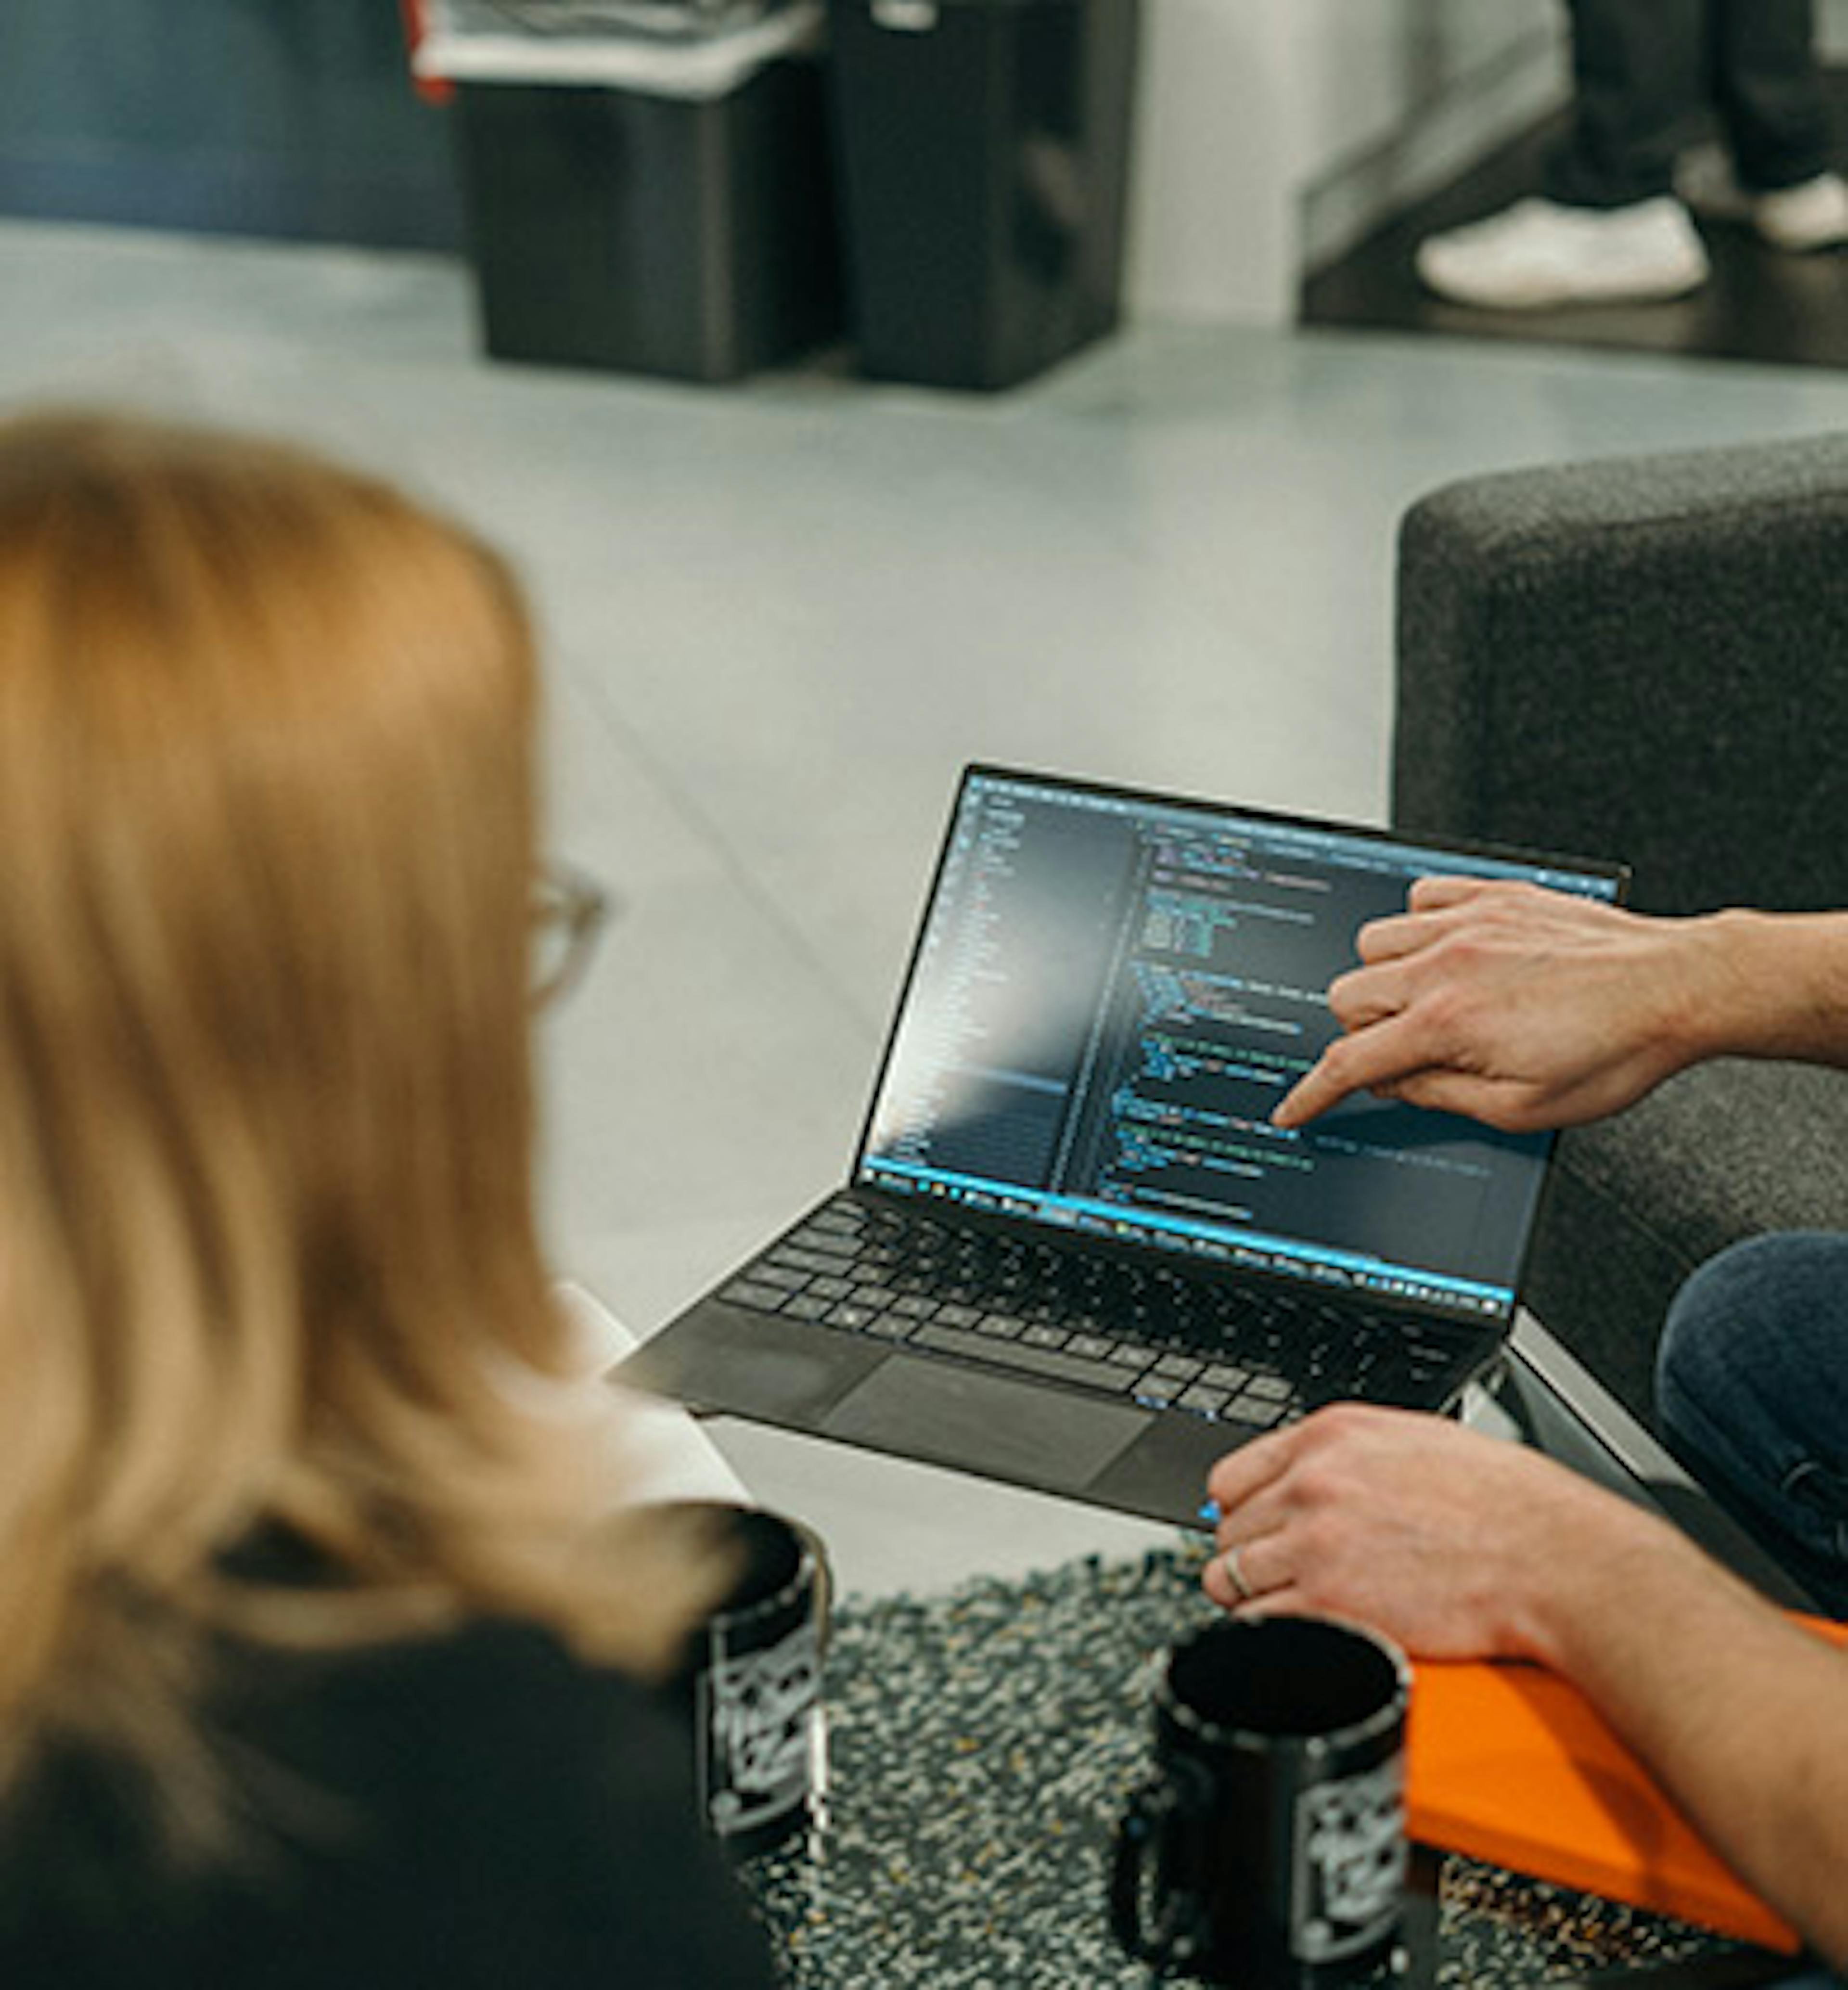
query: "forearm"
1768, 985
1742, 1716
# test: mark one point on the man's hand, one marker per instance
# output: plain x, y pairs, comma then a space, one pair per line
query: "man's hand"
1520, 1008
1457, 1545
1433, 1533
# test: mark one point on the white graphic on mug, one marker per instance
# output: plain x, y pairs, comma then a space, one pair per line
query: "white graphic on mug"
758, 1714
1350, 1863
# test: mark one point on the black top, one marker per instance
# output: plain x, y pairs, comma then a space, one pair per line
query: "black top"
475, 1809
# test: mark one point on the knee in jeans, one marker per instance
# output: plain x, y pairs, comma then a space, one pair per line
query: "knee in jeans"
1742, 1319
1707, 1334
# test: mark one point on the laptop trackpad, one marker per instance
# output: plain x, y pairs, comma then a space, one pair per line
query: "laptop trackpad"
986, 1424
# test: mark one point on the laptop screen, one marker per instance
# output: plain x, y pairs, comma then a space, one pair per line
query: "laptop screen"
1109, 995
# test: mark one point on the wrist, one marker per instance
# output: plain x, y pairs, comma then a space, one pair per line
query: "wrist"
1715, 985
1766, 984
1591, 1550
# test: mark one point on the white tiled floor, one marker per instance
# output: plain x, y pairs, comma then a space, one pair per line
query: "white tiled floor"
782, 616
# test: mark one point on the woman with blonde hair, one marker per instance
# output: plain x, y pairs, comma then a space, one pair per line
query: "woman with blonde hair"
318, 1651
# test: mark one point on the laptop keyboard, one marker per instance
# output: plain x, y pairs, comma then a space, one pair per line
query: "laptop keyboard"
1243, 1353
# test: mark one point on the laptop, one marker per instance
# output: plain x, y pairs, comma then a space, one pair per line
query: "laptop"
1071, 1251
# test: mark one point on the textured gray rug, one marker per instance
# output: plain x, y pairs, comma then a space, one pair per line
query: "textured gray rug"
982, 1743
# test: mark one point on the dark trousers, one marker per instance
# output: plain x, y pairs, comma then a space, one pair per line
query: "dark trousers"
1646, 72
1751, 1387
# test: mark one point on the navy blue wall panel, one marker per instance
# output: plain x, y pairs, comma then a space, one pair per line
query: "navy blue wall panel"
277, 118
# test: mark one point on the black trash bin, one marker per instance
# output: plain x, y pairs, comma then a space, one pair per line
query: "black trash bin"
982, 149
682, 223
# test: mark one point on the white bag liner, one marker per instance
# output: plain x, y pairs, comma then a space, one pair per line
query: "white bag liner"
707, 67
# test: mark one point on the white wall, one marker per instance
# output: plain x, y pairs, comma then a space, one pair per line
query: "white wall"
1212, 226
1272, 133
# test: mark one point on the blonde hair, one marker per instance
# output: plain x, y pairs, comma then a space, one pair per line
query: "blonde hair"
267, 1249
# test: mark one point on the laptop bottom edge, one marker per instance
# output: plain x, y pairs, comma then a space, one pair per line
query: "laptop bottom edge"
720, 1360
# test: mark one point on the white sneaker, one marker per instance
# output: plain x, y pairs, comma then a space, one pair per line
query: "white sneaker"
1812, 215
1539, 253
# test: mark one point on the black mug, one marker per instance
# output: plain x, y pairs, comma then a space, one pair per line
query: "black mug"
1268, 1848
748, 1684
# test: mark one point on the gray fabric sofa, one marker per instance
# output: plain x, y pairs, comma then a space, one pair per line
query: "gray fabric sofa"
1646, 658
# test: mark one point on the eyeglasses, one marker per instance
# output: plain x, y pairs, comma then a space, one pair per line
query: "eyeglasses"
569, 909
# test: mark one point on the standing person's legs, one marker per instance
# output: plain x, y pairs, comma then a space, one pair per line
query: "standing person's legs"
1752, 1390
1639, 74
1768, 91
1607, 228
1773, 106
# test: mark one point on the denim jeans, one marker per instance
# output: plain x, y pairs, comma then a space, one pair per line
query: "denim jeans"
1751, 1386
1646, 72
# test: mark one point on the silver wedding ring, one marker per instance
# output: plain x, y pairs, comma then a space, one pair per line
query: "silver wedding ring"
1236, 1575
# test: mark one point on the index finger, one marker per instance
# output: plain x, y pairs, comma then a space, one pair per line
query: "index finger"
1312, 1095
1387, 1052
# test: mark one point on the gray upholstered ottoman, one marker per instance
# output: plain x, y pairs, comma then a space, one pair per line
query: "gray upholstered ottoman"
1647, 659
